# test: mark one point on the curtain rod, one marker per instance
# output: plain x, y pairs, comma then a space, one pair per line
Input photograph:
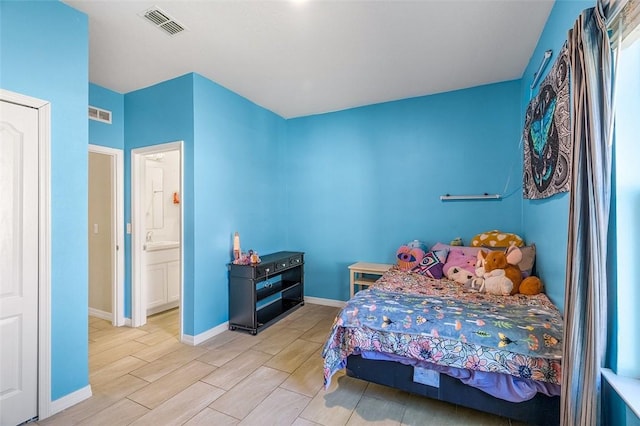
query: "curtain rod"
543, 64
485, 196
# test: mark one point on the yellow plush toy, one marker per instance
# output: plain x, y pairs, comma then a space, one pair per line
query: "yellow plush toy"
496, 238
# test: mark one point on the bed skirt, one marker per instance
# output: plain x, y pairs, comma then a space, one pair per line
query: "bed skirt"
540, 410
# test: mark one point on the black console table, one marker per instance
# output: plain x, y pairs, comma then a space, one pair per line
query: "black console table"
261, 294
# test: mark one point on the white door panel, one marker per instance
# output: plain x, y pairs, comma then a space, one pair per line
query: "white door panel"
18, 263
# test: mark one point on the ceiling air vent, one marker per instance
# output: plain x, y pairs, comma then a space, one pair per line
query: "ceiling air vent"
162, 20
99, 114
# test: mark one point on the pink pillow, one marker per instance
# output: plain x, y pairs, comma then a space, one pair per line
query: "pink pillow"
466, 250
460, 259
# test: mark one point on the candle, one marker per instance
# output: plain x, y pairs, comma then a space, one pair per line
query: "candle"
236, 246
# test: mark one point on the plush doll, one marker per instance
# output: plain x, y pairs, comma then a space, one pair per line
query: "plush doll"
506, 261
496, 282
531, 286
459, 275
493, 282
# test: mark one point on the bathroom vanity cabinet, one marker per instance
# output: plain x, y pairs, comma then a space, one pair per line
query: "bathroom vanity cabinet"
261, 294
163, 278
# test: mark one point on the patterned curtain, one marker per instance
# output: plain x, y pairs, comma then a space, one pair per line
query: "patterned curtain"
586, 280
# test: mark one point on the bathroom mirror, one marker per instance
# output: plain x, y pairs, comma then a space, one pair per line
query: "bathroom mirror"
155, 195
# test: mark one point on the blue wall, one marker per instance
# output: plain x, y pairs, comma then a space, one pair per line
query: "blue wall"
239, 186
346, 186
44, 54
545, 222
361, 182
160, 114
233, 181
104, 134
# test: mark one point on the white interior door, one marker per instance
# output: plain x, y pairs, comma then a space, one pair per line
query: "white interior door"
18, 263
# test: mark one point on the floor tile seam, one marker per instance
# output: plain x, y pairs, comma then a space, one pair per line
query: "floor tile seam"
98, 391
137, 403
142, 405
161, 356
127, 353
209, 384
107, 348
122, 335
195, 414
258, 404
112, 402
324, 424
100, 370
172, 370
297, 392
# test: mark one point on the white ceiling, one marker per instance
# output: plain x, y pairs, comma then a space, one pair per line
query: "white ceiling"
298, 58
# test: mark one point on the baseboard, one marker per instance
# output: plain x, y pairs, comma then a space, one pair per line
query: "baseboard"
71, 399
204, 336
100, 314
325, 302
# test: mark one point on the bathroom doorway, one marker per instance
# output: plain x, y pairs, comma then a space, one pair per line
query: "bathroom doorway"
157, 233
106, 234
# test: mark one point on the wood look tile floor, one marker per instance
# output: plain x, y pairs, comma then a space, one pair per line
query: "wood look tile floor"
145, 376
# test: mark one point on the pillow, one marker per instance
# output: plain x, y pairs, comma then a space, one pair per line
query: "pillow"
525, 265
528, 260
461, 259
467, 251
432, 264
408, 257
496, 238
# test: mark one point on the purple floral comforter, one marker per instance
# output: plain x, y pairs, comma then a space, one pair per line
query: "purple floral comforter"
438, 321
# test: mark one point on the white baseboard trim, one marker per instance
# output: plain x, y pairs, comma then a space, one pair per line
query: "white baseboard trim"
127, 322
100, 314
71, 399
325, 302
206, 335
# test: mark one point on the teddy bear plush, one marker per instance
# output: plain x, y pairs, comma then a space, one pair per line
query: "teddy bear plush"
506, 261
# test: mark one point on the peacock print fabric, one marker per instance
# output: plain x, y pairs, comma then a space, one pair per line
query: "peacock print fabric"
547, 135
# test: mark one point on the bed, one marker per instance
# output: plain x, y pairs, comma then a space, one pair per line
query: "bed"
434, 337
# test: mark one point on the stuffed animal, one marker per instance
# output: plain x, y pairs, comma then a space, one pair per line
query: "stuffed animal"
531, 286
496, 282
507, 261
493, 282
459, 275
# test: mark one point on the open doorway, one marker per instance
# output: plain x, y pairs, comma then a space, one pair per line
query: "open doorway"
157, 236
106, 234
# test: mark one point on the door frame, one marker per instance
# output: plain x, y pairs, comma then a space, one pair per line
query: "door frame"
44, 245
138, 293
117, 214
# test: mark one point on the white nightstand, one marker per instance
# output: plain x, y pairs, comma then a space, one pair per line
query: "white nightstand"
364, 274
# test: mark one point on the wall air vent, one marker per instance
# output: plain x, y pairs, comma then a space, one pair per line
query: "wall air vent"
161, 19
99, 114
